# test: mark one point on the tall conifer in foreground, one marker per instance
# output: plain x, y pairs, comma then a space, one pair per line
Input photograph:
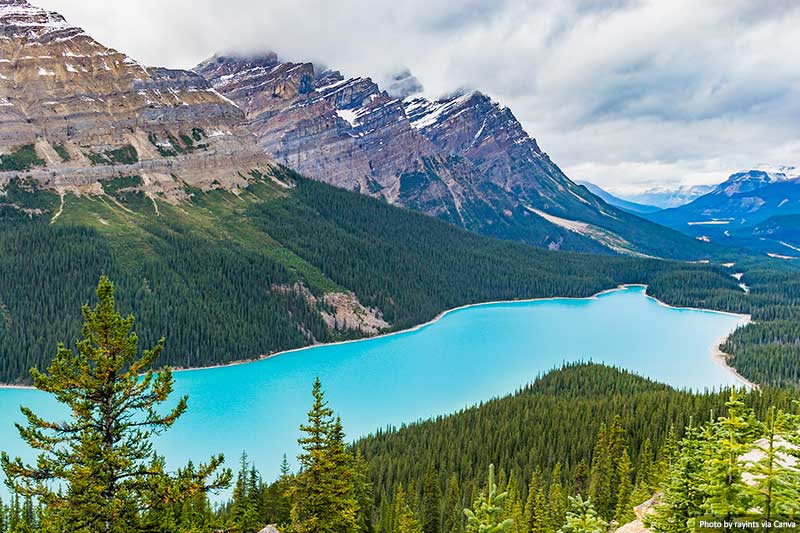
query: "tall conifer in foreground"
323, 493
96, 470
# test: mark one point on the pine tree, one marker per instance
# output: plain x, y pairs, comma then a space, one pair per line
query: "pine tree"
453, 509
728, 495
404, 519
431, 502
244, 512
514, 507
775, 488
102, 455
600, 476
363, 493
624, 512
557, 500
645, 475
582, 517
486, 513
536, 518
323, 494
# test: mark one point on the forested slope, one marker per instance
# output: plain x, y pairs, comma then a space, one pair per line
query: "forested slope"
230, 275
551, 436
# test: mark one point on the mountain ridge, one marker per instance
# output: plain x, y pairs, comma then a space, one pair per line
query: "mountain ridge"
616, 201
731, 213
463, 158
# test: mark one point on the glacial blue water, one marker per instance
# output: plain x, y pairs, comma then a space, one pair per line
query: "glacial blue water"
469, 355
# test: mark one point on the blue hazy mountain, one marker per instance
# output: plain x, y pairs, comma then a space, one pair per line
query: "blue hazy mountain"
610, 199
754, 208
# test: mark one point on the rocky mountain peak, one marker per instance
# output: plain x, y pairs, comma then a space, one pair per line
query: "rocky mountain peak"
750, 180
19, 18
464, 157
74, 112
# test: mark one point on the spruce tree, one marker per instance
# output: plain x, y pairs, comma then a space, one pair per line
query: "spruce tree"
431, 502
102, 456
731, 437
453, 509
536, 518
363, 493
616, 445
667, 455
680, 504
486, 515
775, 486
323, 495
404, 519
600, 476
580, 479
514, 507
244, 512
557, 500
582, 517
281, 491
645, 475
624, 511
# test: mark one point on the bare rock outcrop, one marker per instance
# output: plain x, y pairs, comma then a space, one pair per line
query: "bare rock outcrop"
463, 158
74, 112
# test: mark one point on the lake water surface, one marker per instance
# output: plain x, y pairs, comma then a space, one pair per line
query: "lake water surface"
467, 356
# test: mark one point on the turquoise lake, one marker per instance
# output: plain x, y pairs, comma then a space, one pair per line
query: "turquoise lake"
467, 356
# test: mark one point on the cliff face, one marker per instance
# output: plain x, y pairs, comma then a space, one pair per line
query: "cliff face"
74, 112
463, 158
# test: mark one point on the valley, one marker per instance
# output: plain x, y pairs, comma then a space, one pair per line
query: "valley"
429, 371
489, 345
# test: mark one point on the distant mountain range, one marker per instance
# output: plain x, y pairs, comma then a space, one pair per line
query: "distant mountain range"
754, 208
631, 207
462, 158
666, 197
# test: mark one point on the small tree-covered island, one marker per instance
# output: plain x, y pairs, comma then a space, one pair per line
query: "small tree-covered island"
661, 458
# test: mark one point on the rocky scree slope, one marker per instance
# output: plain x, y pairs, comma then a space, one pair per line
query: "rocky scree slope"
464, 158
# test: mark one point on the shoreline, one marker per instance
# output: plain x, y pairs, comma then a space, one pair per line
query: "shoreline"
716, 354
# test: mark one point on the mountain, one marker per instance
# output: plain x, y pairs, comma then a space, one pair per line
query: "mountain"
610, 199
150, 176
463, 158
745, 199
778, 236
666, 197
75, 113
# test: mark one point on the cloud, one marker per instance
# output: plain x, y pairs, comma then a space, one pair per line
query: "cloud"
622, 92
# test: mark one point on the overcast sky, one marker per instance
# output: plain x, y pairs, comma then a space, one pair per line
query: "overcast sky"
627, 94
